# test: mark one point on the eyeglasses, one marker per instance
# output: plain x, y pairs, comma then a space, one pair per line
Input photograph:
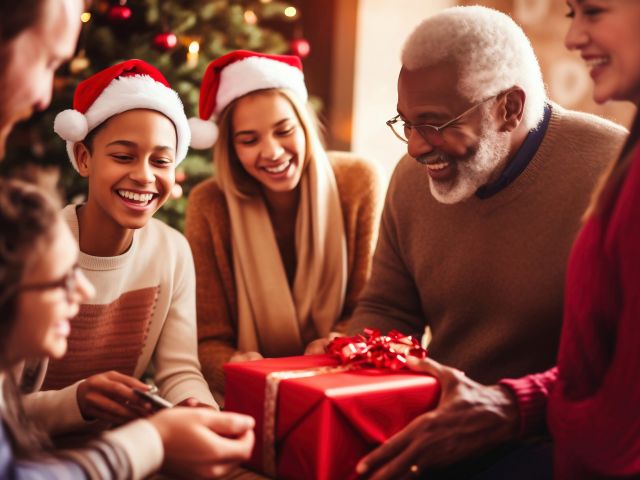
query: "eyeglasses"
68, 282
431, 133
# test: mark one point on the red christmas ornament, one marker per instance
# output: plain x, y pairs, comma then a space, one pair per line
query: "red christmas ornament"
180, 176
165, 41
119, 13
300, 47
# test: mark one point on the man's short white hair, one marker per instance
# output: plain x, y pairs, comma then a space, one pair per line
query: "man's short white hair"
491, 51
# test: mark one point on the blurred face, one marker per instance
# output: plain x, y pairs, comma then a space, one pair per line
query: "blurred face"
269, 140
34, 55
471, 150
607, 35
50, 297
131, 168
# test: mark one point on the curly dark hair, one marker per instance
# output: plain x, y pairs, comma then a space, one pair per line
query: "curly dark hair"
27, 222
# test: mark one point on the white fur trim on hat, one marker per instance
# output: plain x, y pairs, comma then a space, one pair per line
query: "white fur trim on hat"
204, 133
257, 73
71, 125
124, 94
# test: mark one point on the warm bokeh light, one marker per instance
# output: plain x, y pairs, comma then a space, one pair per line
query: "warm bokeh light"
85, 17
250, 17
194, 47
290, 12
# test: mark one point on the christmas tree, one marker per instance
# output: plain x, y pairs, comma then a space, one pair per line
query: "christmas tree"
180, 38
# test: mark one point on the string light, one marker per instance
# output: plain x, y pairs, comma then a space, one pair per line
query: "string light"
290, 12
85, 17
250, 17
192, 54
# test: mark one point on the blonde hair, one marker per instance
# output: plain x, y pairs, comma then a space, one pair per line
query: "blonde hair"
230, 174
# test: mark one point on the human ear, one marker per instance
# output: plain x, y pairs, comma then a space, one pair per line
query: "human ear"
510, 108
82, 155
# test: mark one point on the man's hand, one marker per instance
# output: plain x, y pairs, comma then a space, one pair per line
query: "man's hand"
109, 396
201, 442
470, 419
245, 356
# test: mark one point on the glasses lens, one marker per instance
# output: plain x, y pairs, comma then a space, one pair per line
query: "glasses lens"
430, 134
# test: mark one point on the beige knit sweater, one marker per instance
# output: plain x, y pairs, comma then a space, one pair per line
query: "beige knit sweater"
208, 230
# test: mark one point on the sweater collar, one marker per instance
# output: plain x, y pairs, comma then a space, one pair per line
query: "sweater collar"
521, 159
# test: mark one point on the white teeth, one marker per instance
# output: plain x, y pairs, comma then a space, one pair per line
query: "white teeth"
136, 197
438, 166
596, 62
280, 168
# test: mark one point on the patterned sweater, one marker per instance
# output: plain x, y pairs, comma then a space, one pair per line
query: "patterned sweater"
208, 230
487, 275
143, 315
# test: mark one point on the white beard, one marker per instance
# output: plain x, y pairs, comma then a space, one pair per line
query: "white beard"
474, 172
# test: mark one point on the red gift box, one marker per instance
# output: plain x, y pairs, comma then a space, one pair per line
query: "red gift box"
319, 425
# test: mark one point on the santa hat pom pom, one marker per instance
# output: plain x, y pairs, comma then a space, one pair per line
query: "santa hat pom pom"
204, 133
71, 125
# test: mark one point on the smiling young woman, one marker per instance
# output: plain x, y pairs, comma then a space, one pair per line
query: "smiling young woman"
283, 235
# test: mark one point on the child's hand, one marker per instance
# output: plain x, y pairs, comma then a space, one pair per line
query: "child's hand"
109, 396
201, 442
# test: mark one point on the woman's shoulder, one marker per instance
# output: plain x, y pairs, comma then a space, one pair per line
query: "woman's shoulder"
207, 199
206, 192
352, 170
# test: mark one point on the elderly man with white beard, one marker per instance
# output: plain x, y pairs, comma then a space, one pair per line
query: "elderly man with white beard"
478, 222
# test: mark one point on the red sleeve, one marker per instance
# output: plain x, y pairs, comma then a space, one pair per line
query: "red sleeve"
531, 393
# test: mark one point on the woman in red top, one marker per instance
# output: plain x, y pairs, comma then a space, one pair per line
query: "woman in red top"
594, 406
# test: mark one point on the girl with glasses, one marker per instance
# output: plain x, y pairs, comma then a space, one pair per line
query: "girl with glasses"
40, 292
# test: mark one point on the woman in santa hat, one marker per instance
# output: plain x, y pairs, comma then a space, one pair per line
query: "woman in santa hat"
282, 236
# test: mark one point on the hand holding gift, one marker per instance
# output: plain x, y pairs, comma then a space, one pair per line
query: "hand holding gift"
470, 418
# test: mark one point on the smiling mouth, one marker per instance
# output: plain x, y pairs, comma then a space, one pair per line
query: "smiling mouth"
278, 168
597, 62
135, 197
437, 166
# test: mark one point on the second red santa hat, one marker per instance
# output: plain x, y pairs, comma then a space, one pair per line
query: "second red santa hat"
236, 74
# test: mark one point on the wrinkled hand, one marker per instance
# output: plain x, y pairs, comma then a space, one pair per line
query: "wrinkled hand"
245, 356
471, 418
109, 396
201, 442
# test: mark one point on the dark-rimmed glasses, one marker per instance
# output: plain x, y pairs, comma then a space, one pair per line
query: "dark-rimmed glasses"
68, 282
431, 133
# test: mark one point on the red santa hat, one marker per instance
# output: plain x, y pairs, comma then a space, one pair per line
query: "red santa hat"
126, 86
236, 74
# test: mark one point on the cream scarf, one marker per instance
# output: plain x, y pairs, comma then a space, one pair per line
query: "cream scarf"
273, 319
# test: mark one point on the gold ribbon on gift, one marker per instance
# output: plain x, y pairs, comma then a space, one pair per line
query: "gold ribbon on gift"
271, 404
